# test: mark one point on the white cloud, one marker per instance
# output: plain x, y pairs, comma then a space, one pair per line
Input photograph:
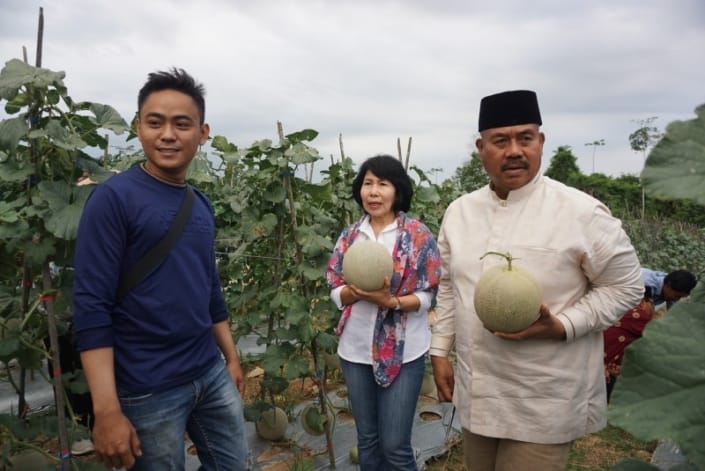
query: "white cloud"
375, 71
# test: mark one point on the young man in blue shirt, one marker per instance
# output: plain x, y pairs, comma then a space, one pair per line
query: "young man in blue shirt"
160, 360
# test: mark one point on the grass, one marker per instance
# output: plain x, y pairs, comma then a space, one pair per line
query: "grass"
595, 452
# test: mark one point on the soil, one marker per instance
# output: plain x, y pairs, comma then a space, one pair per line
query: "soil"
594, 452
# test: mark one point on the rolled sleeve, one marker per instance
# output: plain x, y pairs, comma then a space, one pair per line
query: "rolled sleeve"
336, 296
613, 269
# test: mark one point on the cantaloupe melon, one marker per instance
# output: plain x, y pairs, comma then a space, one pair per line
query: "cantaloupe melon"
272, 424
28, 460
366, 263
507, 297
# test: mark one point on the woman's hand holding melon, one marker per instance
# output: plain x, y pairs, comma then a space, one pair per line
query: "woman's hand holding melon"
382, 297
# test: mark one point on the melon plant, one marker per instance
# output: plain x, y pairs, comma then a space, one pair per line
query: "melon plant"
366, 263
272, 424
507, 297
313, 421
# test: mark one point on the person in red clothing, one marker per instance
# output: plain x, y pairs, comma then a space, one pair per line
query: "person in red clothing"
628, 329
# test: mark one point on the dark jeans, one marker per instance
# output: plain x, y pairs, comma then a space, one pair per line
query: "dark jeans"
384, 416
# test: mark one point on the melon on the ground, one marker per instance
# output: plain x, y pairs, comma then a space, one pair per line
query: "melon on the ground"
28, 460
366, 263
507, 297
354, 456
272, 424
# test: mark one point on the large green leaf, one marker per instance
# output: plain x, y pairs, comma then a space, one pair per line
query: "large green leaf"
36, 252
11, 132
62, 137
303, 135
661, 391
107, 117
14, 171
16, 74
66, 204
300, 153
275, 357
675, 168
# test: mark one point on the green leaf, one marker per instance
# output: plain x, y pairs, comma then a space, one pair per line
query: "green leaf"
14, 171
61, 137
303, 135
275, 357
327, 342
66, 204
669, 358
300, 154
12, 130
108, 118
221, 143
675, 168
53, 97
309, 272
262, 227
296, 367
10, 231
17, 74
8, 211
9, 348
427, 194
275, 193
36, 253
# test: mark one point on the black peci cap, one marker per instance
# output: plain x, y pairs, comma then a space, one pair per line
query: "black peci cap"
509, 109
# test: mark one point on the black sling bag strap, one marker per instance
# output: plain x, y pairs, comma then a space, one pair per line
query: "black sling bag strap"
156, 254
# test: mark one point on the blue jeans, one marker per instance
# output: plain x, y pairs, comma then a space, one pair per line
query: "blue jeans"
209, 408
384, 416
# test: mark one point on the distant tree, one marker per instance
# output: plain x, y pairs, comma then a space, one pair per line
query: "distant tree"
471, 175
641, 141
563, 166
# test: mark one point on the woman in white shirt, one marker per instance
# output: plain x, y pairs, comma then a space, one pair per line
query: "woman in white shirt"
384, 334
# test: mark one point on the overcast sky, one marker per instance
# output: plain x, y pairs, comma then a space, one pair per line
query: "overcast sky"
378, 70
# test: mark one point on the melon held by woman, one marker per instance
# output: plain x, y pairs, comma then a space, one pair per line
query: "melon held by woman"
366, 263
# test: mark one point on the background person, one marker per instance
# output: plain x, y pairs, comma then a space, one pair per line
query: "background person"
384, 334
524, 397
619, 336
662, 287
153, 358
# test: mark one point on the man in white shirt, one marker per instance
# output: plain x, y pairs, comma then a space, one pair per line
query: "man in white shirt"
523, 397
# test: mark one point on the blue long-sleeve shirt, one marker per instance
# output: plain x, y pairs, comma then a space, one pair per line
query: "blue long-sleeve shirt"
162, 331
653, 285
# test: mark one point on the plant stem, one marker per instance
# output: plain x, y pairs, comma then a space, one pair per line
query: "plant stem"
507, 256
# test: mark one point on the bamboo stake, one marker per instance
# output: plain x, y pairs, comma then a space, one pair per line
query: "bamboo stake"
64, 451
340, 143
408, 154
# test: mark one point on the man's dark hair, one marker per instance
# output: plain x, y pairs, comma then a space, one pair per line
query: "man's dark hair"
174, 79
680, 280
388, 168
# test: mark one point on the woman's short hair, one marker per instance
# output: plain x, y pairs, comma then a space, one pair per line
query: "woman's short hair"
387, 168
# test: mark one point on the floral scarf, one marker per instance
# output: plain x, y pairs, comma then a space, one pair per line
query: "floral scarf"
417, 267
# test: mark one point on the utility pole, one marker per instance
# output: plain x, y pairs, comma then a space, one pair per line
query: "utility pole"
594, 144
